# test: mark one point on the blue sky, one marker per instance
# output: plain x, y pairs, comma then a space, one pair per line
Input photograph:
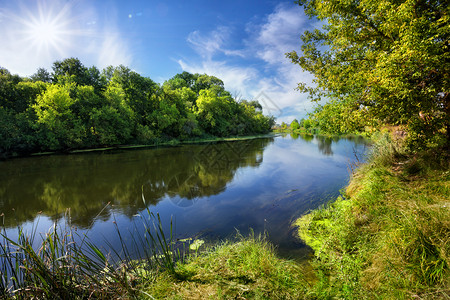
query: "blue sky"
241, 42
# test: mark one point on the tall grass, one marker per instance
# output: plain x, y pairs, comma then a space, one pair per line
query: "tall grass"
247, 268
66, 265
63, 264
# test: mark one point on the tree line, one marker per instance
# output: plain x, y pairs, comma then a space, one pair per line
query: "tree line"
76, 107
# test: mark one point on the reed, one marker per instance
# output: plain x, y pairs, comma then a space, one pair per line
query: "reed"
62, 264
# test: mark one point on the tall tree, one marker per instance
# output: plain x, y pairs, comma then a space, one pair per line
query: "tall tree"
294, 125
71, 67
387, 59
8, 95
41, 75
138, 91
58, 126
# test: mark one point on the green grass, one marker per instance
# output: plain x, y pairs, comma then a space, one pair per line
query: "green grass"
388, 237
246, 269
64, 265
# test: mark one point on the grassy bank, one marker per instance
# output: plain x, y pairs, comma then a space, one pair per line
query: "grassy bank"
63, 264
388, 237
301, 130
246, 269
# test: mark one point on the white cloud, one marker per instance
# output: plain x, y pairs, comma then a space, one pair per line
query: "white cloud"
236, 78
272, 74
208, 45
113, 51
38, 34
280, 34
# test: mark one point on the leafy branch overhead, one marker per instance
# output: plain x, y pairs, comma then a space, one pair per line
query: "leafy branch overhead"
380, 62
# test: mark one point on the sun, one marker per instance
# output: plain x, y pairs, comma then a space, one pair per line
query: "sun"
47, 31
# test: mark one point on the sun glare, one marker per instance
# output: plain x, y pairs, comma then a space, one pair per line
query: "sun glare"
44, 32
47, 31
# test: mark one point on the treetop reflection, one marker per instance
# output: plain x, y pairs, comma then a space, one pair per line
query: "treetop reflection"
87, 183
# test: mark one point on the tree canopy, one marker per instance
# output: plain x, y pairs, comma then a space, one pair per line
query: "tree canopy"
380, 62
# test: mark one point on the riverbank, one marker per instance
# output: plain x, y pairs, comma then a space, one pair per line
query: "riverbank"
161, 143
246, 269
388, 236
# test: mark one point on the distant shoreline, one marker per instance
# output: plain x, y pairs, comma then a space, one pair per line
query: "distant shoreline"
169, 143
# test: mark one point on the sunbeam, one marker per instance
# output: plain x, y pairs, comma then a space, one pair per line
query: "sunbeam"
36, 33
48, 31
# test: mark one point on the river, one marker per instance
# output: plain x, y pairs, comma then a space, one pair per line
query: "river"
211, 191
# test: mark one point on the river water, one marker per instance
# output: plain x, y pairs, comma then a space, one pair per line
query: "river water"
211, 191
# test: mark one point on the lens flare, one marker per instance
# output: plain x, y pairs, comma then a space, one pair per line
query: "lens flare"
45, 33
48, 31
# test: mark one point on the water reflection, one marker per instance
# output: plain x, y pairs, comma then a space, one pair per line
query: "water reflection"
324, 144
87, 183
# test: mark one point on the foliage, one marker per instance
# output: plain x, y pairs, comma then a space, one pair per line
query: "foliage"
41, 75
382, 61
215, 111
58, 126
80, 107
306, 123
337, 118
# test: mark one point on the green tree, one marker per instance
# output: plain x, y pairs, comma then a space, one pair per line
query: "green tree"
8, 96
16, 133
204, 82
139, 92
294, 125
82, 107
389, 60
196, 82
57, 124
94, 79
70, 67
177, 105
253, 103
215, 112
26, 94
41, 75
188, 78
113, 122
